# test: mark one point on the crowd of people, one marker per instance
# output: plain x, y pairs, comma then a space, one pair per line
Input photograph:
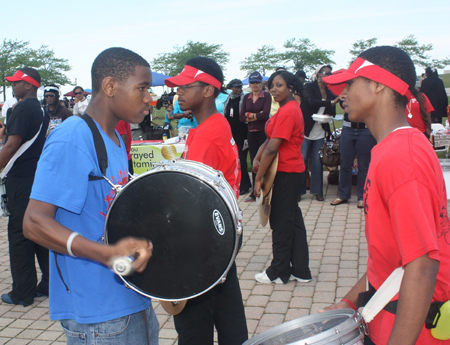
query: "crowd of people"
400, 187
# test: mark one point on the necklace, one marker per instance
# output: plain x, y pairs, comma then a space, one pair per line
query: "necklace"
408, 107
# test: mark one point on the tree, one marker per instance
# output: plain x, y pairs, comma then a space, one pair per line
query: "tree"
12, 54
265, 59
173, 63
16, 54
361, 45
50, 68
418, 53
304, 55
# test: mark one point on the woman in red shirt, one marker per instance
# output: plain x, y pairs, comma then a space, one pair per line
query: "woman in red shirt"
285, 134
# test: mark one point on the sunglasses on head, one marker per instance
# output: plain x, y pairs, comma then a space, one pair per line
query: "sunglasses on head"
78, 93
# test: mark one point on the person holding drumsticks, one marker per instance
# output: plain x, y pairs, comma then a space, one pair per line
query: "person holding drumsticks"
285, 134
405, 201
211, 143
67, 210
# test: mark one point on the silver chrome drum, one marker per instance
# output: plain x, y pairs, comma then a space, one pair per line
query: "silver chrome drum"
334, 327
191, 215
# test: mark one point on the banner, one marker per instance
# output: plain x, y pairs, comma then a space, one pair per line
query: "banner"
144, 156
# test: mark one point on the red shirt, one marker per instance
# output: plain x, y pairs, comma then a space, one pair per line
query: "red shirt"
412, 112
287, 124
405, 206
124, 129
212, 143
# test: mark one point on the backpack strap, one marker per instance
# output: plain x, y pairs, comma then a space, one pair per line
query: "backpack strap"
100, 147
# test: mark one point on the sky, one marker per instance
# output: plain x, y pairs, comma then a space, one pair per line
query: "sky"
80, 30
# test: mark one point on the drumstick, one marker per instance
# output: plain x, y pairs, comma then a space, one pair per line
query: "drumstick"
123, 265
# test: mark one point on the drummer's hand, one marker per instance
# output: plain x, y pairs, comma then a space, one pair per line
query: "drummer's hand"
257, 188
255, 165
131, 245
339, 305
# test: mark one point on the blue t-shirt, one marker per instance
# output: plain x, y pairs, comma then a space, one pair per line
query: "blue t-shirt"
69, 156
191, 123
220, 102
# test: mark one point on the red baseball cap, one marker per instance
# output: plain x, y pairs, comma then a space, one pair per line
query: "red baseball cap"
190, 74
19, 76
366, 69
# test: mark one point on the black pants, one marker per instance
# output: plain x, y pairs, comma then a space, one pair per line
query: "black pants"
255, 140
22, 250
221, 307
289, 243
130, 166
245, 179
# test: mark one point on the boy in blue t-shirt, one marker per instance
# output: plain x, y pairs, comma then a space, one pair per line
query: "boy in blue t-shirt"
67, 212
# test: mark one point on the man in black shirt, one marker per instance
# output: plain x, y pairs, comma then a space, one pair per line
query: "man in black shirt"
54, 109
27, 122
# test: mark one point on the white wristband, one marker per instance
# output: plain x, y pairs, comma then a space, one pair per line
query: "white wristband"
69, 243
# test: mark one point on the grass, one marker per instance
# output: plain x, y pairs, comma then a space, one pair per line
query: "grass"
446, 79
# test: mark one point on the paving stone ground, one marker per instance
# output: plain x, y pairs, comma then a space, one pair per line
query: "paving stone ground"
338, 257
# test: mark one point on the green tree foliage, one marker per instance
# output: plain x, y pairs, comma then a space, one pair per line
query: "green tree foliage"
361, 45
173, 63
419, 53
305, 55
264, 60
50, 67
12, 54
16, 54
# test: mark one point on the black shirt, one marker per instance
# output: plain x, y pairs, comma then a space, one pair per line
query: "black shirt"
25, 120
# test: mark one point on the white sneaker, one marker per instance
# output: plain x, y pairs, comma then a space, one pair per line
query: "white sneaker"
292, 277
263, 278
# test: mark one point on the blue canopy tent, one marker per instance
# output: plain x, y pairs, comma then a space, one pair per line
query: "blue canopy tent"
158, 79
245, 81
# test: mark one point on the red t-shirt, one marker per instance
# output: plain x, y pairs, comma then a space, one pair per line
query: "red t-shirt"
212, 143
412, 112
124, 129
405, 206
287, 124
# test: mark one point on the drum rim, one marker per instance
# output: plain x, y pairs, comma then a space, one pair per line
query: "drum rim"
233, 209
353, 322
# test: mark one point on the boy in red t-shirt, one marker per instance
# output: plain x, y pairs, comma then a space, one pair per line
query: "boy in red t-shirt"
211, 143
405, 201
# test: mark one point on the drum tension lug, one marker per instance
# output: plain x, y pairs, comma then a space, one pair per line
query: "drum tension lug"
116, 188
222, 280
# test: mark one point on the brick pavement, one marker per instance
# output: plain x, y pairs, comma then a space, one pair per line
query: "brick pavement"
338, 256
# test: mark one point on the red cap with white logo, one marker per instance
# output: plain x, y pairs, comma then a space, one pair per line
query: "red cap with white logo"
190, 74
19, 76
366, 69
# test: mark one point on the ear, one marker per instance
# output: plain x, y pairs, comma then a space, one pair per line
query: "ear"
379, 87
109, 86
209, 91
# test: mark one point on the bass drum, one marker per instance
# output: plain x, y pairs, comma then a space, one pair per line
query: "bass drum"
191, 215
333, 327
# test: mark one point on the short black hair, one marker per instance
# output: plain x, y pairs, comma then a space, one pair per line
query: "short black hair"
292, 83
396, 61
77, 87
209, 66
33, 73
118, 63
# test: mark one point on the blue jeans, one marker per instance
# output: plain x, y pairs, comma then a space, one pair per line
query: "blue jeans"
131, 329
353, 142
312, 147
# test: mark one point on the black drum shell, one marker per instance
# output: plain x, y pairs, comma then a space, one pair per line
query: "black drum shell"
190, 225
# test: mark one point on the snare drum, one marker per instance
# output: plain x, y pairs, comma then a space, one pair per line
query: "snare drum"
190, 213
333, 327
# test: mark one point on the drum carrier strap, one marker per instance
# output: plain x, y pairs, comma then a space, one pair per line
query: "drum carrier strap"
102, 158
100, 148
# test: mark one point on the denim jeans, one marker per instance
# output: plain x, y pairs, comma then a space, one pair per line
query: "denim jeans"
131, 329
312, 147
353, 142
